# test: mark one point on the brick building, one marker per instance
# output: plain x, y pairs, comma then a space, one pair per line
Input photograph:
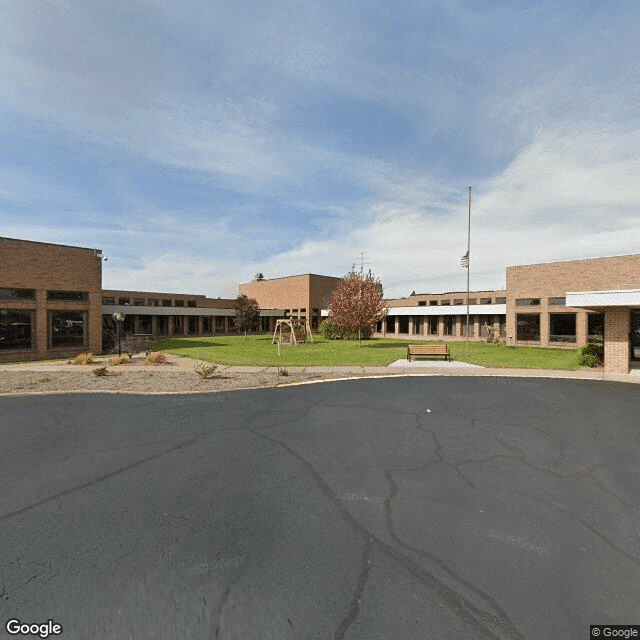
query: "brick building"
572, 302
167, 315
301, 297
50, 299
443, 316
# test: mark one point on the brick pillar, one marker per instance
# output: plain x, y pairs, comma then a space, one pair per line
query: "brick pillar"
476, 327
544, 328
396, 324
440, 326
226, 325
154, 325
136, 323
458, 331
169, 326
616, 340
412, 326
581, 328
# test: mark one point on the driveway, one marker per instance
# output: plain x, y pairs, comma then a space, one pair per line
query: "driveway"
400, 508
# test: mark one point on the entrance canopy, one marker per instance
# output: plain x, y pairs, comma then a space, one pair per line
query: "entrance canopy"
601, 299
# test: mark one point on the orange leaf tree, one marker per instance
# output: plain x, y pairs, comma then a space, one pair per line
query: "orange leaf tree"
357, 304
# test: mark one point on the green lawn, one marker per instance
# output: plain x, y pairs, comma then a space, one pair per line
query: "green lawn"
258, 350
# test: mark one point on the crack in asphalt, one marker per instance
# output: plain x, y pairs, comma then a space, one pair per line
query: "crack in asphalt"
354, 609
111, 474
487, 625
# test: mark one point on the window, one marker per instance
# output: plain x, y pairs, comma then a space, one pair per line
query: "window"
445, 302
527, 302
501, 301
108, 300
528, 327
379, 326
191, 303
178, 325
206, 324
458, 301
18, 294
417, 326
67, 328
473, 301
485, 300
449, 325
166, 302
179, 303
562, 327
404, 324
433, 303
144, 324
557, 302
422, 303
433, 325
162, 325
16, 329
391, 324
153, 302
595, 327
193, 325
138, 302
124, 300
67, 295
220, 323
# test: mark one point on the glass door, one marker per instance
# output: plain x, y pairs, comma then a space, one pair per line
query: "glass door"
635, 335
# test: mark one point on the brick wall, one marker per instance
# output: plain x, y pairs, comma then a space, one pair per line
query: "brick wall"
45, 267
555, 279
616, 342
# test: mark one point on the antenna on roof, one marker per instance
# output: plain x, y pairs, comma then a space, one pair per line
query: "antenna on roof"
362, 262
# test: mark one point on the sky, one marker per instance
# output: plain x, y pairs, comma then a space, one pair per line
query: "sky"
200, 142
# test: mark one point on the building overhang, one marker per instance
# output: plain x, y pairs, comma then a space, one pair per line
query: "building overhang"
450, 310
603, 299
108, 309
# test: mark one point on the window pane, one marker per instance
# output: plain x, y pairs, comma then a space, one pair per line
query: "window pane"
162, 325
108, 300
595, 324
179, 303
528, 327
501, 301
67, 329
458, 301
178, 324
562, 327
193, 324
485, 300
220, 322
138, 302
16, 329
67, 295
144, 324
166, 302
124, 300
433, 325
18, 294
391, 324
449, 325
557, 302
191, 303
527, 302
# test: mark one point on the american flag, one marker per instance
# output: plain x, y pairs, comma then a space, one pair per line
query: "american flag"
464, 261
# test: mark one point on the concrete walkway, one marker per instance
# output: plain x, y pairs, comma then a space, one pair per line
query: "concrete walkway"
399, 367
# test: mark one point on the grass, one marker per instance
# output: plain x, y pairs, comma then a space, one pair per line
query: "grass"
259, 351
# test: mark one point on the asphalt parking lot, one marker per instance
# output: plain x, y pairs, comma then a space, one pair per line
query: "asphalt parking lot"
400, 508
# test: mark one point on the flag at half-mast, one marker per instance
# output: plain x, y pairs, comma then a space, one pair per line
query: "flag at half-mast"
464, 261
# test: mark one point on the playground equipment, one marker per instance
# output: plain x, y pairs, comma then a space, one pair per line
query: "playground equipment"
293, 339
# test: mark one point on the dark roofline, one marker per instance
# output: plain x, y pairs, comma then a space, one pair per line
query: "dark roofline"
297, 275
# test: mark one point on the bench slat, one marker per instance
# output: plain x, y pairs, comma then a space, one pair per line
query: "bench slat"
427, 350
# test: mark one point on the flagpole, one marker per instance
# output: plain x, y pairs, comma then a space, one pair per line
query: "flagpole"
468, 266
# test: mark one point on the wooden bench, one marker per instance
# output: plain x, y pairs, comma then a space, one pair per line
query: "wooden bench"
428, 350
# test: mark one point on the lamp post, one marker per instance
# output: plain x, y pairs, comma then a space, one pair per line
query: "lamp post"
118, 317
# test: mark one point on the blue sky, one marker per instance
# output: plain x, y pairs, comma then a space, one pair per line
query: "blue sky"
197, 142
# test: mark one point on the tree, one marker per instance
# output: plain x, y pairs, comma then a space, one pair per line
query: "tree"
247, 314
356, 304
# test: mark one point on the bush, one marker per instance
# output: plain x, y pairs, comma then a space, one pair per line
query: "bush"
204, 369
157, 358
591, 355
331, 332
283, 372
123, 359
100, 371
43, 379
134, 344
83, 358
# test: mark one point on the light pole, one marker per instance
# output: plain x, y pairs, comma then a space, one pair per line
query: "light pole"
118, 317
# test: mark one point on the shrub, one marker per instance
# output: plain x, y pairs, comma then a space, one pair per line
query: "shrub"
100, 371
283, 372
43, 379
331, 332
123, 359
157, 358
204, 369
134, 344
83, 358
591, 355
